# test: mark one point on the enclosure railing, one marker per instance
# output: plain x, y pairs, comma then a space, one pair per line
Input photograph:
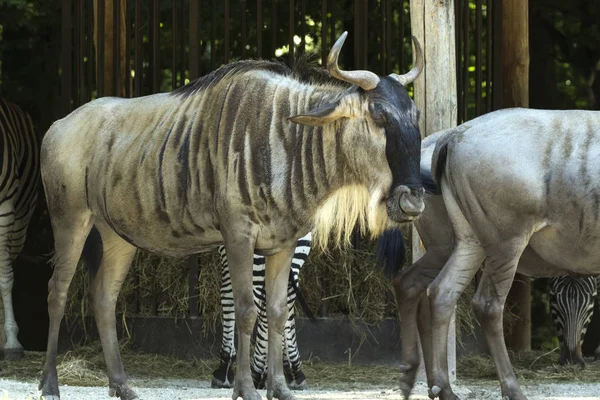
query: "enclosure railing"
133, 48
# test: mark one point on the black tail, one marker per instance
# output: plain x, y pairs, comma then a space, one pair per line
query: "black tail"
92, 251
441, 162
391, 252
305, 308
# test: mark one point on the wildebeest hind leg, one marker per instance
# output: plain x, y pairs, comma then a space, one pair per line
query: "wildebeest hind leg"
410, 285
240, 254
488, 305
116, 260
445, 290
70, 232
276, 280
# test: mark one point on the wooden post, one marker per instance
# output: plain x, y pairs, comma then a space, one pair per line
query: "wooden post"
515, 93
106, 61
432, 22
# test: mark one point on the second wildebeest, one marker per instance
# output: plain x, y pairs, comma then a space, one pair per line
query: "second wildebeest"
520, 190
248, 156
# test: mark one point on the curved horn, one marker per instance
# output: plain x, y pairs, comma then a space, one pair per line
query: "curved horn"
411, 75
365, 79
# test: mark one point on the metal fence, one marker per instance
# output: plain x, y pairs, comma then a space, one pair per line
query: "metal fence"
161, 45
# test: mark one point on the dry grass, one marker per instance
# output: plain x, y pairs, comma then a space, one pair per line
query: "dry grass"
538, 366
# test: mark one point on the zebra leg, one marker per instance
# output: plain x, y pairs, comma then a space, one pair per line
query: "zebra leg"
258, 367
488, 305
409, 287
292, 364
104, 291
70, 232
240, 250
223, 376
12, 348
276, 277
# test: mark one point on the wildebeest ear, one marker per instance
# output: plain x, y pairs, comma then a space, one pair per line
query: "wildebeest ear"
322, 115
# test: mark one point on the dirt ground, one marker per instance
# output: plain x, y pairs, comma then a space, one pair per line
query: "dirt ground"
199, 390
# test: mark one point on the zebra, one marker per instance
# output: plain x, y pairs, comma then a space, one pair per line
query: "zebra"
223, 375
19, 184
248, 156
572, 302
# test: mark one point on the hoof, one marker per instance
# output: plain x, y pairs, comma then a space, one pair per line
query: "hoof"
407, 379
219, 384
294, 385
443, 394
50, 397
123, 392
13, 354
250, 394
282, 394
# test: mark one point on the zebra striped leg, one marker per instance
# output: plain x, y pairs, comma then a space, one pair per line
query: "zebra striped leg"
116, 260
223, 376
70, 233
276, 281
240, 248
259, 367
12, 348
292, 364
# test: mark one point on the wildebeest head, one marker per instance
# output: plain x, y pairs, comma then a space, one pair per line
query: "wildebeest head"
385, 116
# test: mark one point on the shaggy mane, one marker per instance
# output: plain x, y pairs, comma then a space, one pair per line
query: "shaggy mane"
346, 208
305, 70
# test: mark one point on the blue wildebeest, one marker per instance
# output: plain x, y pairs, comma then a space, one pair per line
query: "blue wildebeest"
572, 303
520, 190
19, 185
247, 156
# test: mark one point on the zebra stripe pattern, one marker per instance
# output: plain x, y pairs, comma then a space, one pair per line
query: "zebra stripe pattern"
19, 183
572, 301
223, 376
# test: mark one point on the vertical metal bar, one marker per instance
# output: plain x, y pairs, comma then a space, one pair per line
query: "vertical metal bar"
194, 271
182, 45
323, 31
66, 55
498, 54
244, 29
382, 37
273, 27
365, 29
116, 47
401, 37
139, 73
388, 36
213, 35
488, 55
332, 32
100, 58
127, 71
259, 28
291, 34
155, 47
459, 66
194, 39
302, 48
89, 49
357, 24
466, 60
226, 36
479, 63
78, 53
175, 35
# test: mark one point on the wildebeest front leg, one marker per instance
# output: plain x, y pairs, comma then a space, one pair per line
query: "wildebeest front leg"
488, 305
104, 291
410, 285
276, 279
240, 254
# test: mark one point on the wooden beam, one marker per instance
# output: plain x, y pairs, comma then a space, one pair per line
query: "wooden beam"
433, 23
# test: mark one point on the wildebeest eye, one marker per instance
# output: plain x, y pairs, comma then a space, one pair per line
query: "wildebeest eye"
377, 112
